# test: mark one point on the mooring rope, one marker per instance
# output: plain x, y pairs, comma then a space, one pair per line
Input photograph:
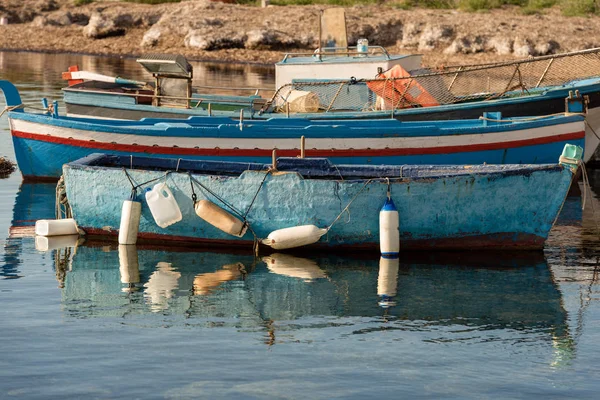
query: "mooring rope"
11, 108
135, 187
348, 205
63, 208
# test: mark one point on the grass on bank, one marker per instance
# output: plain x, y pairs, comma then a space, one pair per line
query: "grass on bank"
568, 7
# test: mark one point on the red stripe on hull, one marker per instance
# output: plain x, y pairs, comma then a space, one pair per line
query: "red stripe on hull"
514, 241
129, 148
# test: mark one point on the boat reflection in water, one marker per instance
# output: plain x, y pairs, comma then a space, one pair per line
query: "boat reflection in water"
484, 292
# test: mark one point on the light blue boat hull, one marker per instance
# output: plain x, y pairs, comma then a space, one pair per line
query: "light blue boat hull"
440, 207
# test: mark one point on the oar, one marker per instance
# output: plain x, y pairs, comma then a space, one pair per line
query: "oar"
75, 76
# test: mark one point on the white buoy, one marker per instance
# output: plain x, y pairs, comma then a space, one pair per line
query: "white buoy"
162, 205
296, 236
130, 221
387, 281
295, 267
219, 218
129, 267
56, 227
47, 243
389, 230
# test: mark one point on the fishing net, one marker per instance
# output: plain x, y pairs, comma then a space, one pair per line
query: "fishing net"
397, 89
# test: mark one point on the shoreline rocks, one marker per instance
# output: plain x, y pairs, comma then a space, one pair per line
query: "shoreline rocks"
212, 30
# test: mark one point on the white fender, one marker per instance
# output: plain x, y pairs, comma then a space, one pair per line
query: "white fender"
56, 227
130, 222
296, 236
389, 229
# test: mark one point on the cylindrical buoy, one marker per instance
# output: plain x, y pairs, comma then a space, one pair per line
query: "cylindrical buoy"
389, 230
56, 227
129, 266
387, 281
296, 236
130, 222
219, 218
45, 243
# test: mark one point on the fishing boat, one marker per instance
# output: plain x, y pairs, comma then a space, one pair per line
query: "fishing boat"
45, 141
337, 205
347, 83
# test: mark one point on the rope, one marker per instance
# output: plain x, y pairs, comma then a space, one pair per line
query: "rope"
348, 206
135, 187
256, 194
593, 131
222, 200
63, 208
586, 187
11, 108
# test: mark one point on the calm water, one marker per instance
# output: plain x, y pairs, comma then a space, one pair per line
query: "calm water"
93, 322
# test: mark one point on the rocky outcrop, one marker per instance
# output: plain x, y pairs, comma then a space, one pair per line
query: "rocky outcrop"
100, 27
207, 29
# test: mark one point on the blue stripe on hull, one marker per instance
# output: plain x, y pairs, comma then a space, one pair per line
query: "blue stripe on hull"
43, 159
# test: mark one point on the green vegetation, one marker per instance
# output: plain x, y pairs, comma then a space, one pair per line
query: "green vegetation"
345, 3
568, 7
82, 2
580, 7
151, 1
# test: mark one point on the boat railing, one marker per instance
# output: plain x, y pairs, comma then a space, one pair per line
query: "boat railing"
321, 53
431, 87
190, 102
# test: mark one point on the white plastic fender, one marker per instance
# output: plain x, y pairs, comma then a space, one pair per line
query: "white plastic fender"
295, 267
129, 266
288, 238
46, 243
162, 205
219, 218
130, 222
389, 229
56, 227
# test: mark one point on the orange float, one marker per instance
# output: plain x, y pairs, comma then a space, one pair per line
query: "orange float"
399, 91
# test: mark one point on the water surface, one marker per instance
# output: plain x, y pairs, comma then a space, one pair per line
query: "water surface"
96, 321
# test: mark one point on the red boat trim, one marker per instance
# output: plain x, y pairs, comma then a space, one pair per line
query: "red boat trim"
128, 148
514, 241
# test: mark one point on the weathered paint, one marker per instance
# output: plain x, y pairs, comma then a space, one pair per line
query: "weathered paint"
446, 207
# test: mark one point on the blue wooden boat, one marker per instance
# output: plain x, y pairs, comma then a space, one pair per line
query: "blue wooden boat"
44, 142
442, 207
329, 85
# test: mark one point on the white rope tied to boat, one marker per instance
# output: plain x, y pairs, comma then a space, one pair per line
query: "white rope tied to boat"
11, 108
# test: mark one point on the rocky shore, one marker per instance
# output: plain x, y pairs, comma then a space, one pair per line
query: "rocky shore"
206, 30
